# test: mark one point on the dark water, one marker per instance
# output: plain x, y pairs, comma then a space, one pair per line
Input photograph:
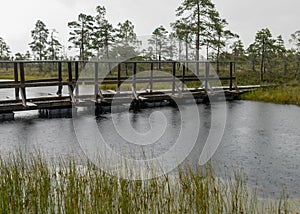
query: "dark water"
261, 139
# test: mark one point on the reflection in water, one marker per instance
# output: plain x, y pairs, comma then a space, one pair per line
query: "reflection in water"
262, 139
141, 123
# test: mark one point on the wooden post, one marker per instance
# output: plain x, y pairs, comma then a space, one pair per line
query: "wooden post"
151, 77
59, 92
16, 76
183, 77
119, 78
70, 80
206, 75
76, 78
23, 90
134, 76
126, 69
197, 64
70, 77
186, 66
174, 76
96, 86
231, 76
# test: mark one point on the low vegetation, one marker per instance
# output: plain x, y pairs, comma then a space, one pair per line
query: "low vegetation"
284, 94
33, 185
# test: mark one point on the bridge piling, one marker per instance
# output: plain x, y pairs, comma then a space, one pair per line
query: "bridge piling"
151, 76
16, 78
76, 78
23, 89
60, 86
231, 75
96, 84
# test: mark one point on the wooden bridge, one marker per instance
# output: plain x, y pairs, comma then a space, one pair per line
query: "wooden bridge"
67, 80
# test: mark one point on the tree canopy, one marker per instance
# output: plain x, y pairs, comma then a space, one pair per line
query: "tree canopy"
40, 40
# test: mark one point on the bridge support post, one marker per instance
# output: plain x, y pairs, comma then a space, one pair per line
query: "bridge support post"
206, 76
183, 78
134, 76
59, 91
119, 79
173, 78
70, 83
151, 77
96, 83
23, 89
231, 76
16, 76
76, 78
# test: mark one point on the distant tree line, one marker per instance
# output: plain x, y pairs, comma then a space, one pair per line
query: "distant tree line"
198, 27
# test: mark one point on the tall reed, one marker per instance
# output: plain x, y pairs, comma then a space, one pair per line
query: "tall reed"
33, 185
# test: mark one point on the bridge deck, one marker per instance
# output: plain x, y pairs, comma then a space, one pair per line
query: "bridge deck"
71, 82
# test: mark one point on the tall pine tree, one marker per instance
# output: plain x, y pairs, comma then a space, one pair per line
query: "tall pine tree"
80, 35
40, 40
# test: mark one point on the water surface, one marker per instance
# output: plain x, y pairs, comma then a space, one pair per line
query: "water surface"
263, 139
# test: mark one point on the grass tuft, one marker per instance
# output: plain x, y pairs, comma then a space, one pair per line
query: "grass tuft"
285, 94
33, 185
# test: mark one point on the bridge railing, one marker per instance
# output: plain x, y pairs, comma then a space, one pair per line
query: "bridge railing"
20, 75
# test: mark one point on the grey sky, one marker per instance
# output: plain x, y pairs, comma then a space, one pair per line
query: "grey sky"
17, 17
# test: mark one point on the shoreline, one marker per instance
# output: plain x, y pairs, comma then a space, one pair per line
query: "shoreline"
284, 94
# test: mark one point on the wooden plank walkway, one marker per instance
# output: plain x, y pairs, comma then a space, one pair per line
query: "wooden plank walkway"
67, 77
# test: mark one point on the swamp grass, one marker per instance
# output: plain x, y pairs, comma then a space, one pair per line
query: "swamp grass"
284, 94
34, 185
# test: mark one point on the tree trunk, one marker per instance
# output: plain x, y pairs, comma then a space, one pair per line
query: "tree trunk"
262, 69
126, 69
198, 38
107, 56
253, 64
179, 50
284, 65
186, 52
218, 55
179, 53
262, 63
207, 51
159, 61
82, 55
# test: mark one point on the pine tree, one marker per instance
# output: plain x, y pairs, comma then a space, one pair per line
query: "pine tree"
4, 50
264, 44
220, 34
280, 52
195, 13
127, 43
183, 34
81, 34
252, 55
40, 40
237, 48
54, 46
103, 35
159, 42
171, 46
295, 41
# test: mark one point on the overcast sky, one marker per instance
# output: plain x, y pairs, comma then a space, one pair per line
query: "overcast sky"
245, 17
